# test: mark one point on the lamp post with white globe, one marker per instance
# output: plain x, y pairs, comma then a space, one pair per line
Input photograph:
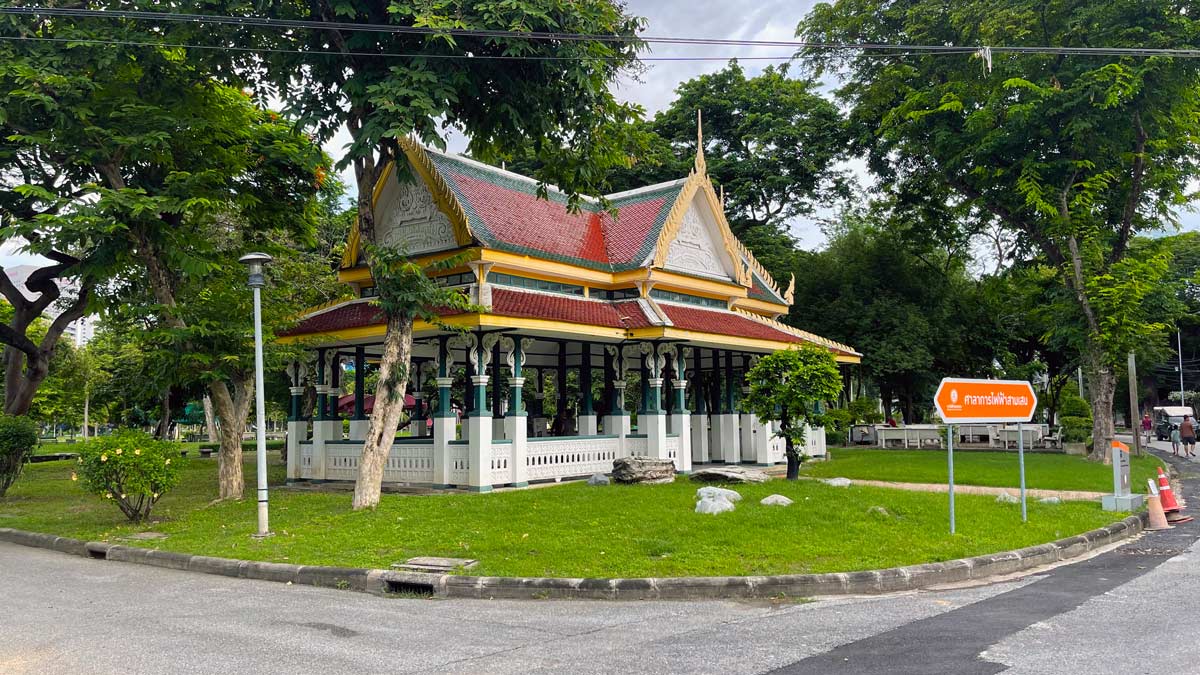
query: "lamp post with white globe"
255, 262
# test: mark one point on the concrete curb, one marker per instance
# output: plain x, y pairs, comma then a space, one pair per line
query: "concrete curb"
387, 582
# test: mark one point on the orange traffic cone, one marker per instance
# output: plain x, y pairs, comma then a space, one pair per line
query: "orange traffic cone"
1158, 519
1164, 489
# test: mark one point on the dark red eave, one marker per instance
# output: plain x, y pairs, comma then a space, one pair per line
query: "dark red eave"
724, 323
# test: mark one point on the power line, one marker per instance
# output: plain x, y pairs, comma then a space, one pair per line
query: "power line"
292, 24
417, 55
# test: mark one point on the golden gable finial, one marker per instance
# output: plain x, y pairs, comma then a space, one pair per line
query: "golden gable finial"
701, 168
790, 296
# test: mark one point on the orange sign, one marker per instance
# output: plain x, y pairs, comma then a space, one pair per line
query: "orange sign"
959, 400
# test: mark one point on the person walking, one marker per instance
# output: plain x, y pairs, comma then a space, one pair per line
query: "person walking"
1175, 439
1187, 434
1147, 427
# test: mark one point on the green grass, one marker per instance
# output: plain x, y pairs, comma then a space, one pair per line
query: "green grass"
568, 530
994, 469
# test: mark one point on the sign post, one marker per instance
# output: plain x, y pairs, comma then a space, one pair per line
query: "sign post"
964, 401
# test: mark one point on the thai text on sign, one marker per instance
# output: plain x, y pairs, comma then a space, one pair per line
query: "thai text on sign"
965, 400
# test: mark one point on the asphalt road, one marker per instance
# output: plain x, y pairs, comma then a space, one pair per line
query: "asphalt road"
1131, 610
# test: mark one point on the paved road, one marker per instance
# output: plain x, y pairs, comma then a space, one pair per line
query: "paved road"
1132, 610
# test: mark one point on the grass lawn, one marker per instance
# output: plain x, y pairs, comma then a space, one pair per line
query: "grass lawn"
566, 530
993, 469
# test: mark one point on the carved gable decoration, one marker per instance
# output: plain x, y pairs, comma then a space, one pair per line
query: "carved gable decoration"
699, 248
409, 218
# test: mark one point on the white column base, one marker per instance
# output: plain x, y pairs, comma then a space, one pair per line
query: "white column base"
324, 431
297, 430
655, 427
358, 429
588, 425
724, 446
479, 457
681, 424
762, 442
616, 425
746, 429
443, 433
515, 428
699, 434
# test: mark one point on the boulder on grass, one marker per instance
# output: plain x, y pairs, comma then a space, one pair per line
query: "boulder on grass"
710, 492
598, 479
643, 470
1050, 500
775, 500
836, 482
714, 505
1006, 498
729, 474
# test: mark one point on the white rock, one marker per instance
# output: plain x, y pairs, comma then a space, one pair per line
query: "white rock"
729, 474
1006, 498
1050, 500
598, 479
775, 500
710, 492
836, 482
713, 505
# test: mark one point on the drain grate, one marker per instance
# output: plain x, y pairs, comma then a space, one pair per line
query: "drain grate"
1170, 552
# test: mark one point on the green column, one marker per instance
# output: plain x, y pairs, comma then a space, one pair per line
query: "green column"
496, 391
322, 397
728, 405
335, 375
444, 380
715, 382
644, 373
668, 377
360, 374
479, 395
516, 402
585, 380
297, 392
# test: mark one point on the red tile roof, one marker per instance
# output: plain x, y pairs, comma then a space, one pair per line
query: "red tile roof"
505, 213
724, 323
350, 315
505, 302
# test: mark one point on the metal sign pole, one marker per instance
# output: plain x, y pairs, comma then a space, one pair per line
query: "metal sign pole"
950, 456
1021, 461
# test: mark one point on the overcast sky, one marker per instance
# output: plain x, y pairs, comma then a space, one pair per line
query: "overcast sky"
654, 89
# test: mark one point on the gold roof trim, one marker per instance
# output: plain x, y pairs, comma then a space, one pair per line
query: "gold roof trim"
803, 334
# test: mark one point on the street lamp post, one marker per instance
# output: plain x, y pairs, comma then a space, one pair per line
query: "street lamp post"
255, 262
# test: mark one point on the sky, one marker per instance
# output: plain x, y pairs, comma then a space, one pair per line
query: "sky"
655, 88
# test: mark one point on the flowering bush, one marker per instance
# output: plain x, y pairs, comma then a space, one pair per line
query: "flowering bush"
18, 437
131, 468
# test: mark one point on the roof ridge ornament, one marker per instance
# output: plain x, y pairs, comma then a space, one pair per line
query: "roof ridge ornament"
701, 167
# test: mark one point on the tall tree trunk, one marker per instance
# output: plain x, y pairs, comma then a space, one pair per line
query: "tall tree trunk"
210, 422
163, 432
87, 399
389, 408
232, 410
1102, 388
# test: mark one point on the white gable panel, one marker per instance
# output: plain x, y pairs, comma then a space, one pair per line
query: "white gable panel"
698, 248
407, 217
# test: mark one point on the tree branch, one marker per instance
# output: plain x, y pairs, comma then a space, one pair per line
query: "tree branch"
1135, 190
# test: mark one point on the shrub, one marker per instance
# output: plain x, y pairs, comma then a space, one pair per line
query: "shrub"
865, 410
18, 438
836, 421
1076, 429
131, 468
1073, 405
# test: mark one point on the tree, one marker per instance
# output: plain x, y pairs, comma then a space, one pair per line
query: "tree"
501, 90
165, 164
785, 385
1074, 154
914, 313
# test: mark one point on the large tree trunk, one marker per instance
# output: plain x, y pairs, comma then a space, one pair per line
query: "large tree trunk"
210, 422
1102, 388
163, 432
231, 409
389, 408
87, 399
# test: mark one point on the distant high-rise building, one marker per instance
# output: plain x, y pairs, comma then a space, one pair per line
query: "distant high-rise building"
79, 331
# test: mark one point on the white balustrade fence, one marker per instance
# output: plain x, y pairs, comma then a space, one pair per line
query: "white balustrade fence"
410, 462
306, 456
502, 458
571, 456
341, 460
636, 446
460, 463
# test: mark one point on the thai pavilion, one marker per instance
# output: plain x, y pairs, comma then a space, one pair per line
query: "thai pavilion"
658, 288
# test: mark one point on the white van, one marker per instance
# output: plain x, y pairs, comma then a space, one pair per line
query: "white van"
1167, 417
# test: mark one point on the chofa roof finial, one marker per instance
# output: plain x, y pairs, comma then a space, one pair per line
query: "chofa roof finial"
700, 167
